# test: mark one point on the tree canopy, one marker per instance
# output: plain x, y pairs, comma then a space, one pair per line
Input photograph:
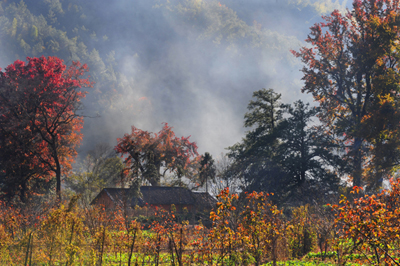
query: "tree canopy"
101, 168
252, 157
207, 169
352, 70
283, 153
150, 156
39, 122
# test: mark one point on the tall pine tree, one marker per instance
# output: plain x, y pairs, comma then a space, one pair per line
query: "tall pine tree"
284, 155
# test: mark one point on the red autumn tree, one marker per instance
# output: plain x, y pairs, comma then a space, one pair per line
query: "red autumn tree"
39, 122
151, 156
352, 70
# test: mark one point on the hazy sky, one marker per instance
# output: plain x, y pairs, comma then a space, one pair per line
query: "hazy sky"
195, 64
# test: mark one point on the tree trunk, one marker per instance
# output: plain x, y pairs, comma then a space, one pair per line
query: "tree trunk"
24, 190
357, 172
53, 145
58, 177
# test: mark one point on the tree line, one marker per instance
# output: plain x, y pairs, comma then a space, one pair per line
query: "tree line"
299, 153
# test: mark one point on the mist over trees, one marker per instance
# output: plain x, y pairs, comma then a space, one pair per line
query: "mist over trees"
167, 90
160, 61
102, 167
194, 65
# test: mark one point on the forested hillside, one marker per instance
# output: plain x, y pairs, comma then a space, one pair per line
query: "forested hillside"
195, 64
102, 100
180, 62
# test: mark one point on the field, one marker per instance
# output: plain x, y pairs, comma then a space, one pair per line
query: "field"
246, 231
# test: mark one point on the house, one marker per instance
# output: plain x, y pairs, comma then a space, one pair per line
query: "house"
156, 196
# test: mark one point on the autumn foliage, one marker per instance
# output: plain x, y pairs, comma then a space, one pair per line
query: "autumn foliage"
39, 122
151, 156
247, 230
351, 69
370, 225
239, 236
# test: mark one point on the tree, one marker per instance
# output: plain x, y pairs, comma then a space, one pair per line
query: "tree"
207, 169
151, 156
252, 161
17, 176
101, 168
305, 154
224, 178
285, 156
372, 223
352, 71
39, 122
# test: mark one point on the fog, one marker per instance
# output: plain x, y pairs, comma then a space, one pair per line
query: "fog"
190, 63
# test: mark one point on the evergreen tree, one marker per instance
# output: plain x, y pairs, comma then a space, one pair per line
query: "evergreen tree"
207, 169
252, 158
285, 156
305, 154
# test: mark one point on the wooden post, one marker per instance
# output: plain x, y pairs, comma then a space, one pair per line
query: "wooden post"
70, 259
27, 249
132, 246
30, 255
102, 246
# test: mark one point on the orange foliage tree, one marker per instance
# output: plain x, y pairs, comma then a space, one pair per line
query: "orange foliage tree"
370, 225
151, 156
352, 70
39, 122
243, 235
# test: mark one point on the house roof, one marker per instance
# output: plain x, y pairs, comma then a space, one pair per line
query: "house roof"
155, 195
118, 196
204, 200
